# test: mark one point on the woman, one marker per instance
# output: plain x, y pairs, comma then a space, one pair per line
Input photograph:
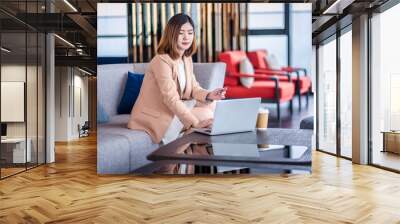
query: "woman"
169, 80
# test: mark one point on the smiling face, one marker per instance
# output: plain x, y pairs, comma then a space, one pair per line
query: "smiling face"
185, 37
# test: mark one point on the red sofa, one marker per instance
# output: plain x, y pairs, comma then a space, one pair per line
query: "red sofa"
302, 82
266, 85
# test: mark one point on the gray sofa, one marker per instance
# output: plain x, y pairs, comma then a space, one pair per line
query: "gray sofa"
119, 149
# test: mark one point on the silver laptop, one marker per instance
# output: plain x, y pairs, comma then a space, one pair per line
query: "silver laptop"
231, 116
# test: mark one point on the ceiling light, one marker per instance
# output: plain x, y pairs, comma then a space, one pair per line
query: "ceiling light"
70, 5
337, 7
5, 50
84, 71
65, 41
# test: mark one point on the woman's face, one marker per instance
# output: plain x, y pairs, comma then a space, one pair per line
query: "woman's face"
185, 37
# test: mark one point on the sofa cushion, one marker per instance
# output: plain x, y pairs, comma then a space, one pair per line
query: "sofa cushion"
232, 60
209, 75
119, 119
231, 81
272, 62
246, 68
257, 58
131, 93
112, 154
102, 116
122, 150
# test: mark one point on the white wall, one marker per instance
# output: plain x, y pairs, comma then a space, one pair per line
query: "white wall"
62, 82
79, 117
71, 94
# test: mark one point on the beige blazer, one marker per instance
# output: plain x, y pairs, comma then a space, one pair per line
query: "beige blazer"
160, 97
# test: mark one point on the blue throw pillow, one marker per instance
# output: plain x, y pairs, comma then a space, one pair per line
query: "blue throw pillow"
131, 93
102, 116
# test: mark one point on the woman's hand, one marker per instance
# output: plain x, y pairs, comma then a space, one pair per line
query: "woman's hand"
217, 94
204, 124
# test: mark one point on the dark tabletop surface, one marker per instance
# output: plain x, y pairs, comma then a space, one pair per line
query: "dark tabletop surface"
272, 136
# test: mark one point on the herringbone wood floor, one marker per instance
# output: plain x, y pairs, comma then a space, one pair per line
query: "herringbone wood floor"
70, 191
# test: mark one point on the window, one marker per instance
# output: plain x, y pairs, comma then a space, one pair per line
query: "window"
327, 97
112, 30
301, 35
385, 84
346, 94
22, 65
266, 16
270, 27
275, 44
267, 29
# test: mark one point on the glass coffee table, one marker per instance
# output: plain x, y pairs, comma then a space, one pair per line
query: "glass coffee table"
258, 152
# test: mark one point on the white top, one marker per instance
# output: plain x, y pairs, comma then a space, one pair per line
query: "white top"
174, 129
182, 76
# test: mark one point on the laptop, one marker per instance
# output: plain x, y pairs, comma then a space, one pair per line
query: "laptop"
232, 116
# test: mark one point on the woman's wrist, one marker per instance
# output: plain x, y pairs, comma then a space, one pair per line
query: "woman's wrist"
207, 97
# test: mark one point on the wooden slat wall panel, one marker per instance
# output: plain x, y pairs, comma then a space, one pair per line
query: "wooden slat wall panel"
154, 18
170, 10
163, 12
243, 26
147, 30
219, 27
178, 8
203, 31
195, 14
225, 25
134, 33
210, 30
139, 33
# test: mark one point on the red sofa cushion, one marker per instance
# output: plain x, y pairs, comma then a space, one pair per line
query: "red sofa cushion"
257, 58
232, 60
263, 89
231, 81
